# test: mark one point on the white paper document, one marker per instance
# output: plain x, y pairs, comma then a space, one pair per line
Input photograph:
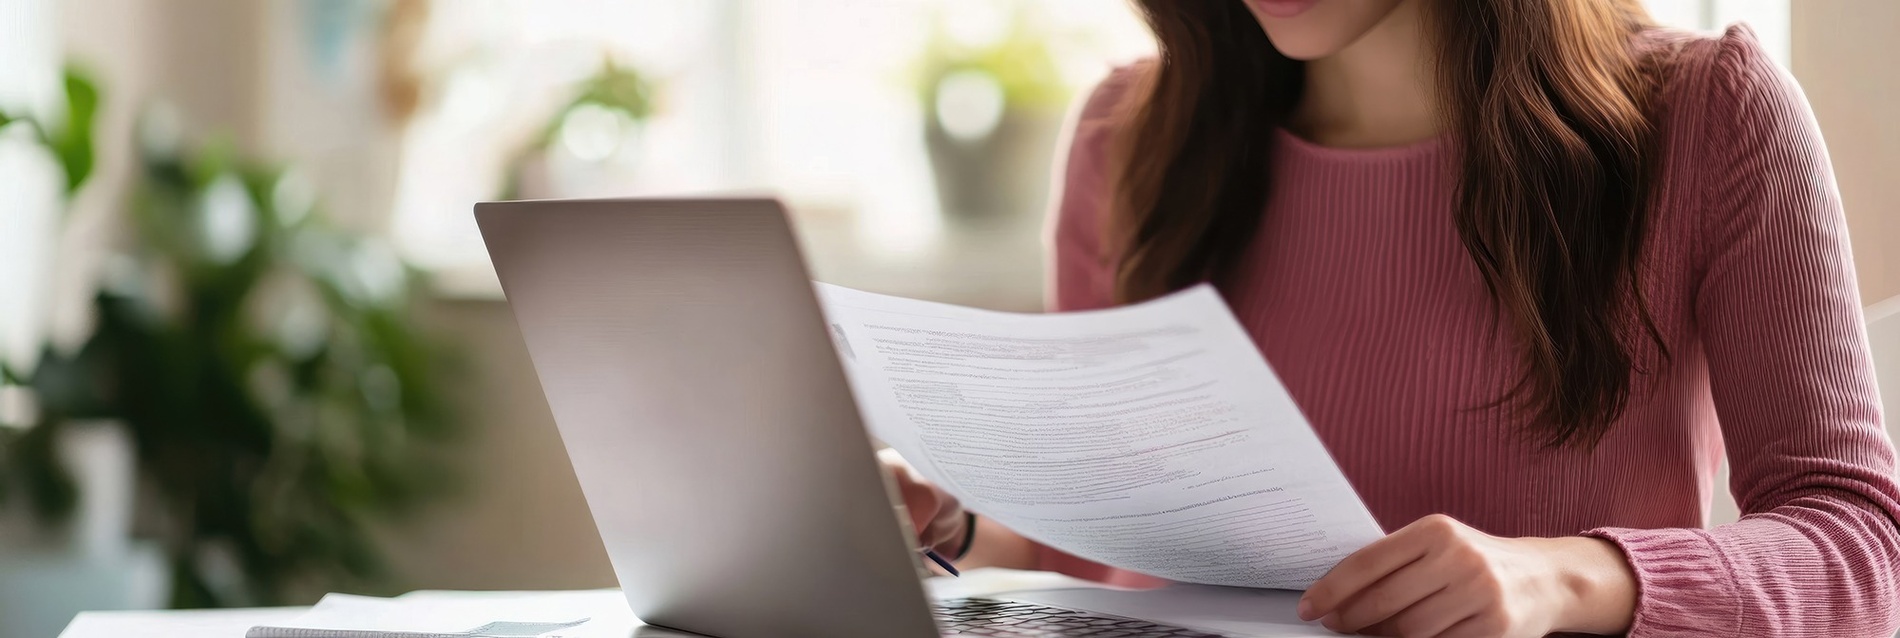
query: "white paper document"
1151, 437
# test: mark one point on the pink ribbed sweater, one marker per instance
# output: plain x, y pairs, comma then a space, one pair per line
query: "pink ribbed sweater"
1361, 296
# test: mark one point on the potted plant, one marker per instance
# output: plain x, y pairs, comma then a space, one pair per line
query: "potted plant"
993, 105
277, 389
603, 123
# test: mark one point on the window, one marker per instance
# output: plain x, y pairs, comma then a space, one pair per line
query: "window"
30, 180
799, 99
1769, 18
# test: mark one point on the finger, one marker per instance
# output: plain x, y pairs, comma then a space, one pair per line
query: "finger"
1361, 569
1401, 590
946, 526
920, 501
1432, 616
923, 510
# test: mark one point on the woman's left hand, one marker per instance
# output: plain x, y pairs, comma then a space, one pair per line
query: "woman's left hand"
1440, 578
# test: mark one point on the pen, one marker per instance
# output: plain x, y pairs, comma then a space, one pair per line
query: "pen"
941, 562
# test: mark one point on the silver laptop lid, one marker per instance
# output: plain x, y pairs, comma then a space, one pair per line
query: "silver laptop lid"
685, 359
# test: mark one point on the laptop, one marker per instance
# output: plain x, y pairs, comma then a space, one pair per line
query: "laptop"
685, 359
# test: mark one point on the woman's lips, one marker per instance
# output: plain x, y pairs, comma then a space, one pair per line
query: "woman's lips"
1283, 8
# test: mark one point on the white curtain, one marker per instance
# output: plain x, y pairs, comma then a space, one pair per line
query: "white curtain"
31, 180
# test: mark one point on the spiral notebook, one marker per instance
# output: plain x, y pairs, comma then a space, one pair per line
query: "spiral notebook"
568, 614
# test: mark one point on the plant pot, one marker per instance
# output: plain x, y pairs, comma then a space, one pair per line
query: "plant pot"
1003, 175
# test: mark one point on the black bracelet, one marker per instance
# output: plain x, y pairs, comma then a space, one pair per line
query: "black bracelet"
969, 535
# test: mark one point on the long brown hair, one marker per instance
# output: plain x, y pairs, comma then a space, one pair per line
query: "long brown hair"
1548, 105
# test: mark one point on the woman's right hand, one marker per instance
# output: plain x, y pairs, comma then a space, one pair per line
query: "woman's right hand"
940, 521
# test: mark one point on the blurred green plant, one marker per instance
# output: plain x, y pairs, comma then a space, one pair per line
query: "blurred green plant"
279, 391
615, 90
993, 93
614, 87
1020, 62
69, 133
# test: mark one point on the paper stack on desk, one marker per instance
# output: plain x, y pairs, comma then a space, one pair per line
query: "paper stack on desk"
1151, 437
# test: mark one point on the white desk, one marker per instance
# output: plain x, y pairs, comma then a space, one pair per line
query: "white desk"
220, 623
232, 623
217, 623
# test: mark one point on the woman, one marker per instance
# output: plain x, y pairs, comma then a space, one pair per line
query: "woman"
1512, 258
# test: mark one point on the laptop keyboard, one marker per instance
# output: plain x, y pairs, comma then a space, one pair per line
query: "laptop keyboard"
985, 617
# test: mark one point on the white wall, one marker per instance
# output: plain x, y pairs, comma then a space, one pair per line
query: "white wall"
1844, 55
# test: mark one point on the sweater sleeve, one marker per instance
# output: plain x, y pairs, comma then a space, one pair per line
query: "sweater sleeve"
1816, 550
1081, 274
